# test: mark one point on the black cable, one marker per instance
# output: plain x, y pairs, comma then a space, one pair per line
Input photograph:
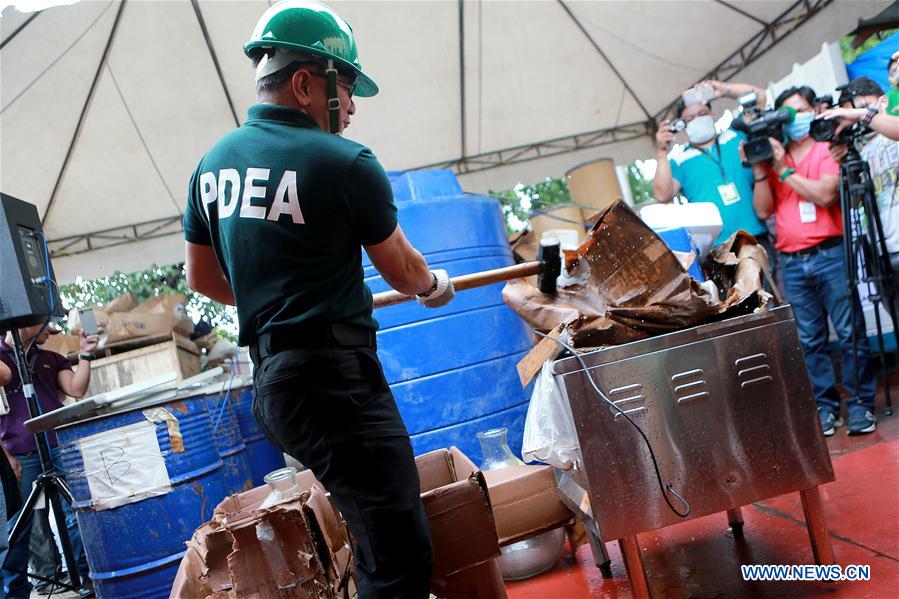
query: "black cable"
664, 487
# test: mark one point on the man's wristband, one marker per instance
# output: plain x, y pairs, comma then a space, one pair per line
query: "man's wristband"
85, 357
761, 179
787, 172
432, 289
869, 116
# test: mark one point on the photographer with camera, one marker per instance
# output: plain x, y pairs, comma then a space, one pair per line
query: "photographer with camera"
710, 168
799, 186
862, 101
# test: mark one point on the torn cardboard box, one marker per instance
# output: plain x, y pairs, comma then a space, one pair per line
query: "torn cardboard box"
463, 533
297, 549
455, 498
122, 303
739, 265
159, 315
62, 344
632, 286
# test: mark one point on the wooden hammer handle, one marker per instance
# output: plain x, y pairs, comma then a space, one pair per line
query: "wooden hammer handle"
461, 283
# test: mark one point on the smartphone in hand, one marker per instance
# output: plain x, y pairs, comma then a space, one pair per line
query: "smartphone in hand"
89, 322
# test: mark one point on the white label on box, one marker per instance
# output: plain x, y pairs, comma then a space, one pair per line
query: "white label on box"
124, 465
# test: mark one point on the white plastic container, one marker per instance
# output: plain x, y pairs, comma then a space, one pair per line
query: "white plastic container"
701, 219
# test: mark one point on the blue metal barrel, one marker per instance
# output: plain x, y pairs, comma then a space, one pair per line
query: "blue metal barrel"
452, 369
262, 455
229, 441
134, 550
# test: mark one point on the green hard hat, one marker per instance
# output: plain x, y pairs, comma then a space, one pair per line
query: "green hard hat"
312, 27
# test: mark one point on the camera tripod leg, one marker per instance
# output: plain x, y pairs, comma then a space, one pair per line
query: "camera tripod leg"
878, 270
53, 494
26, 513
27, 510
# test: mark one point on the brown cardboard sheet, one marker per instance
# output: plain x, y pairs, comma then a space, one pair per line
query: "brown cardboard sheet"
636, 287
525, 502
455, 498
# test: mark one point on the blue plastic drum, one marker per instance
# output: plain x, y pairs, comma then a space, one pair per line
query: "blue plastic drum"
229, 441
452, 369
134, 549
262, 455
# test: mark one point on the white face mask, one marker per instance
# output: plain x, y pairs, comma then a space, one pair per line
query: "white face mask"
701, 129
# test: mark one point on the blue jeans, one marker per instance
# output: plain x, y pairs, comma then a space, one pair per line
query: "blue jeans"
816, 286
15, 583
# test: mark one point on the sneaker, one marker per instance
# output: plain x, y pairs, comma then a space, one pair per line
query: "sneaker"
861, 421
828, 422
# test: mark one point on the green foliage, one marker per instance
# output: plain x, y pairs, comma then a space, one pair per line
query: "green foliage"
150, 283
641, 186
850, 54
522, 201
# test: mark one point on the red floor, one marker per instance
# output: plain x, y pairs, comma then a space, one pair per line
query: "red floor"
700, 558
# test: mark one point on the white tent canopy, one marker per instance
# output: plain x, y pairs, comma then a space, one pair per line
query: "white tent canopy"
106, 106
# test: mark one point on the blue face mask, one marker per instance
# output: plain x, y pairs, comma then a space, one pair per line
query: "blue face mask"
800, 126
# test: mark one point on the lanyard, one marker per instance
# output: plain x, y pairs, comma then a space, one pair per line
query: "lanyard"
717, 161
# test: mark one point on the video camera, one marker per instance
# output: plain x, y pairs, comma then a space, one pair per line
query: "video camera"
826, 129
762, 125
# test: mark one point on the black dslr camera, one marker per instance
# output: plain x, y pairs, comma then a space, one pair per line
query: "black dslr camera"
762, 125
826, 129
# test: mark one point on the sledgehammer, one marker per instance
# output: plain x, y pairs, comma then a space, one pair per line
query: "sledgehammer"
547, 267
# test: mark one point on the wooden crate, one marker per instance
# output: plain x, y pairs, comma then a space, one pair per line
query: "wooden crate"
177, 354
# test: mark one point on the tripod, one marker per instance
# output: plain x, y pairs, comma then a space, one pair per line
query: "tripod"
865, 249
49, 484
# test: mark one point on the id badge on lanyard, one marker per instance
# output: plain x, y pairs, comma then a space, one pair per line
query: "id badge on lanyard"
727, 191
729, 194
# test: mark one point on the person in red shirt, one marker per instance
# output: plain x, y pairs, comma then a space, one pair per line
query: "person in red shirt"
800, 187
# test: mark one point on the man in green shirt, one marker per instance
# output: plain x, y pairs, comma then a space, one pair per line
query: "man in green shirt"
893, 94
278, 211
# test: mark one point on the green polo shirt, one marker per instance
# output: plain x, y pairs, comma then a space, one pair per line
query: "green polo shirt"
701, 172
286, 208
893, 102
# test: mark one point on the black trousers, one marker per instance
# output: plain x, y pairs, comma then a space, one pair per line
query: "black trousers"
329, 406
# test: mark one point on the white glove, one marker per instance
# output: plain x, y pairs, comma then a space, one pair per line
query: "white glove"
441, 294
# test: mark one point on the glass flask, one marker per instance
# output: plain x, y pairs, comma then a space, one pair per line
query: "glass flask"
532, 556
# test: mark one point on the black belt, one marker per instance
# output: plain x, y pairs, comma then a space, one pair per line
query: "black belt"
311, 335
830, 242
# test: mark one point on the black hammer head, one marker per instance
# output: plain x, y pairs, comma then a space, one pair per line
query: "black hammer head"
549, 255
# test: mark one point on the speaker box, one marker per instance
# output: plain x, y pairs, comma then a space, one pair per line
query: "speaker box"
26, 298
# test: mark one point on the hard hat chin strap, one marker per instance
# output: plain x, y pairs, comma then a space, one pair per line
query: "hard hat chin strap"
333, 100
